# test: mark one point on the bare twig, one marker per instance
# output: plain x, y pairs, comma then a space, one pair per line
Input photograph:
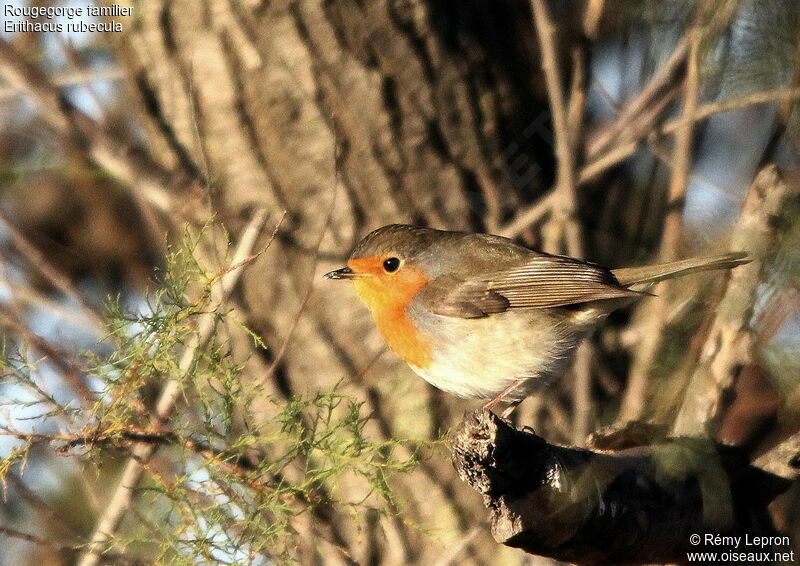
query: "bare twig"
627, 146
567, 121
125, 438
120, 500
565, 204
33, 539
14, 533
787, 106
151, 186
592, 16
528, 216
660, 81
74, 59
47, 513
581, 368
656, 312
64, 361
582, 394
577, 98
41, 264
130, 164
72, 78
640, 128
666, 76
251, 258
785, 94
276, 361
616, 155
29, 296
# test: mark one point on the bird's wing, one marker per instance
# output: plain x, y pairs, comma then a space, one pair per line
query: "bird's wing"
541, 281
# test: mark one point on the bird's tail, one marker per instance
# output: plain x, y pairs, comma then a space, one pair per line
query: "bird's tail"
628, 276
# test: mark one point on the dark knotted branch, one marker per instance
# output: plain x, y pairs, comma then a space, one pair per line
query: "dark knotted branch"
635, 506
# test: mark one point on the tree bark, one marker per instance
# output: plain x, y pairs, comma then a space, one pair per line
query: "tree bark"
349, 115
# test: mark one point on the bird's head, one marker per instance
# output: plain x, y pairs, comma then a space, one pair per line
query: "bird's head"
390, 265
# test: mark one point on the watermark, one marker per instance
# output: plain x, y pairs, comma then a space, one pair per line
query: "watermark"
714, 547
65, 19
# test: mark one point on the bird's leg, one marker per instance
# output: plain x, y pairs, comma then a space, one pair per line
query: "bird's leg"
491, 404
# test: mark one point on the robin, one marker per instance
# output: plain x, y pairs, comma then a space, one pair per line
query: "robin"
480, 316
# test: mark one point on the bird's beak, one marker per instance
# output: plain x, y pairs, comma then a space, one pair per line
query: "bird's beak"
343, 273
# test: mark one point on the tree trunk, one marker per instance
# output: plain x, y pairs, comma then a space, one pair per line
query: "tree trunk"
349, 115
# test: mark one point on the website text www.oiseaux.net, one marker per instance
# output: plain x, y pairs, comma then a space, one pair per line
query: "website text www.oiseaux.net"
742, 549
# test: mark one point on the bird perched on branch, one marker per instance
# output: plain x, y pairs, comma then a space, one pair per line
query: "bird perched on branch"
480, 316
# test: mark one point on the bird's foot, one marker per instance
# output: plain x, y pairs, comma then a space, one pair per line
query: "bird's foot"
510, 409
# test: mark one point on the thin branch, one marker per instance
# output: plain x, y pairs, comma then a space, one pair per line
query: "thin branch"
614, 157
656, 312
120, 500
126, 437
639, 129
664, 77
785, 94
577, 97
276, 361
567, 122
27, 537
626, 146
565, 204
43, 508
786, 107
72, 78
582, 406
582, 394
720, 14
151, 186
69, 368
74, 59
29, 296
72, 549
124, 160
40, 263
592, 16
251, 258
682, 157
528, 216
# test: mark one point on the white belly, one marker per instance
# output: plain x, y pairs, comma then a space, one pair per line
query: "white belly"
479, 358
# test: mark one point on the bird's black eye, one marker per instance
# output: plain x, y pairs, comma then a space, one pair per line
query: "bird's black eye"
390, 265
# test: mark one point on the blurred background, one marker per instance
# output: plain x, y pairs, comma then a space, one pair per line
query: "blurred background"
204, 119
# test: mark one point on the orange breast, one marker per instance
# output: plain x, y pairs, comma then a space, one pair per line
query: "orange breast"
387, 296
403, 338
